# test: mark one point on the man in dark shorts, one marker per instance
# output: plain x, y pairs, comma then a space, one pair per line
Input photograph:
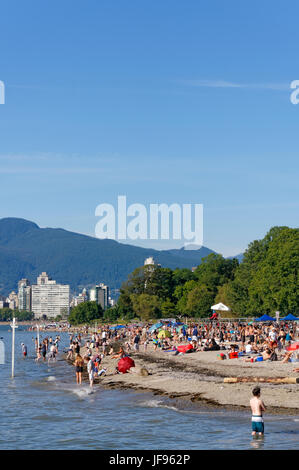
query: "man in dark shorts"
136, 342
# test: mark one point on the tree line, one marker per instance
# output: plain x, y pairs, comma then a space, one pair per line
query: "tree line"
264, 282
7, 314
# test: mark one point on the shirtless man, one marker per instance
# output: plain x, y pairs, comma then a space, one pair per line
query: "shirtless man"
257, 408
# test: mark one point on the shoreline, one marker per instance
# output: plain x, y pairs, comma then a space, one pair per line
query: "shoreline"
198, 378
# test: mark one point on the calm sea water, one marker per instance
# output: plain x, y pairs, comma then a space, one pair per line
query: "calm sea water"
43, 408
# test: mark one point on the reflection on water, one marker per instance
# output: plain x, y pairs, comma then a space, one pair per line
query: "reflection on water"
257, 442
45, 409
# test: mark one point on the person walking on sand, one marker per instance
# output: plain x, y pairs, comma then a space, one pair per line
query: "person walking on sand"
257, 409
79, 362
136, 342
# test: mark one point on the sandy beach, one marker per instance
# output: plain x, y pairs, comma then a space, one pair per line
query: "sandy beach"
199, 377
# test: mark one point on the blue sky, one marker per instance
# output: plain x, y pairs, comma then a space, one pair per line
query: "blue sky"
162, 101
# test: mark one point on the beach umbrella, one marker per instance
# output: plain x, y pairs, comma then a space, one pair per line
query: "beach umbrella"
164, 334
155, 327
181, 327
117, 327
125, 364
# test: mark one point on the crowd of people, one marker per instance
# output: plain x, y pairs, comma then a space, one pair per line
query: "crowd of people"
251, 342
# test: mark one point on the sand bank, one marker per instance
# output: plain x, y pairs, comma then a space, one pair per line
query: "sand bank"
199, 377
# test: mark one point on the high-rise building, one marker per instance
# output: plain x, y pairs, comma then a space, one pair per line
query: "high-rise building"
49, 298
151, 262
100, 295
24, 295
79, 299
12, 300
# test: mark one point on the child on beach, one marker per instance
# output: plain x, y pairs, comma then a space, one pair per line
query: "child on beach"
257, 409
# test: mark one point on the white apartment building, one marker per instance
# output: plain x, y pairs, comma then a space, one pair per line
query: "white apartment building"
49, 298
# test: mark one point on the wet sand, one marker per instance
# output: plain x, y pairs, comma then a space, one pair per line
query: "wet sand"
199, 377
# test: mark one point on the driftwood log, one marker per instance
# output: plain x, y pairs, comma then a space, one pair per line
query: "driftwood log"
274, 380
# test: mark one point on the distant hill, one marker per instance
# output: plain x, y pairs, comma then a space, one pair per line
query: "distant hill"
71, 258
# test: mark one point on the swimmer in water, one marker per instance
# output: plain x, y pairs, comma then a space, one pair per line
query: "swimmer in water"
257, 408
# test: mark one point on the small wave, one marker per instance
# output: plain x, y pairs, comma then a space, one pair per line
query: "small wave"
158, 404
81, 391
51, 378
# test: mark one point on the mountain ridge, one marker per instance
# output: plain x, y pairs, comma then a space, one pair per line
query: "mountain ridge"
76, 259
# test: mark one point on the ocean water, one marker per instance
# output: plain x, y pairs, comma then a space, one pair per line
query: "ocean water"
43, 408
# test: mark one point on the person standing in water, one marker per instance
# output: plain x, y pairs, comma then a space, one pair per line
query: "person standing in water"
24, 350
257, 408
79, 363
90, 370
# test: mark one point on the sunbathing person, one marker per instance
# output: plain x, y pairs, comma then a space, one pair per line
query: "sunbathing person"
265, 355
121, 353
213, 346
287, 356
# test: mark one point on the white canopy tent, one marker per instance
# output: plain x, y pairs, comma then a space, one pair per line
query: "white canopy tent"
220, 307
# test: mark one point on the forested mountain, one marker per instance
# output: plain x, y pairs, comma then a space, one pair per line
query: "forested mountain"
71, 258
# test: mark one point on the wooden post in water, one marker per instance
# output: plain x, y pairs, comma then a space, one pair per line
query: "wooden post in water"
37, 331
13, 326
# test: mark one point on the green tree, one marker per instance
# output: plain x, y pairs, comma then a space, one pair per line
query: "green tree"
181, 276
112, 314
146, 307
85, 313
267, 279
199, 301
168, 309
214, 271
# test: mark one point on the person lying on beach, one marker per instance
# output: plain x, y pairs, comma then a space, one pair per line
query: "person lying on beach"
195, 346
165, 345
265, 355
213, 346
287, 356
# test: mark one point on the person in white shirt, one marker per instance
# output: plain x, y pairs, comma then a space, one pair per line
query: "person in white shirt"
90, 370
272, 335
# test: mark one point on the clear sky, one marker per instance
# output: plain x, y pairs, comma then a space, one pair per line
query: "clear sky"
160, 100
